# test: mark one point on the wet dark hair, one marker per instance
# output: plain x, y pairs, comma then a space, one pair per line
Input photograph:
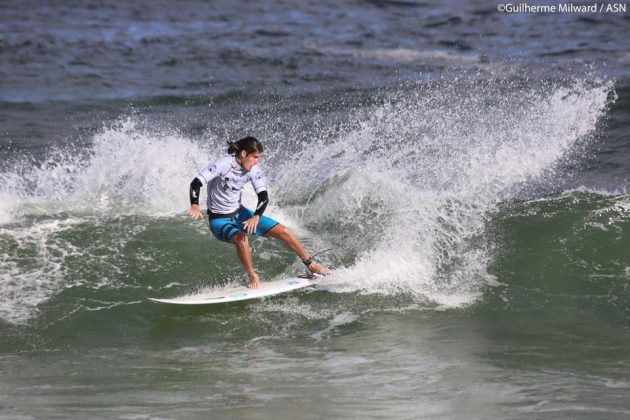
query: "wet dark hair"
249, 144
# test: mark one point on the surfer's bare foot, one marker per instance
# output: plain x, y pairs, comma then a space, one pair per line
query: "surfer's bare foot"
318, 269
254, 282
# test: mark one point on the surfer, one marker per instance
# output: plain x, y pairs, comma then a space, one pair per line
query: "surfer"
229, 220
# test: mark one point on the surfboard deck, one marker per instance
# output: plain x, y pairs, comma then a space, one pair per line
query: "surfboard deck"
235, 294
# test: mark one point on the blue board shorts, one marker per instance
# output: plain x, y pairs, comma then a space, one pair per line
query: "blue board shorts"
223, 228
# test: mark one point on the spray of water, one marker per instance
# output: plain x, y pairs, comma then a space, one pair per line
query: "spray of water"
408, 189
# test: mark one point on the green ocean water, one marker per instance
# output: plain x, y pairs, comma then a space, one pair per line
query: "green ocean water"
546, 338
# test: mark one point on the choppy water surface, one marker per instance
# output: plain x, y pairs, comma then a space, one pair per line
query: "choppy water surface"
468, 169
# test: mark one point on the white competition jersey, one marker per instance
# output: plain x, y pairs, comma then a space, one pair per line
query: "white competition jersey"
226, 179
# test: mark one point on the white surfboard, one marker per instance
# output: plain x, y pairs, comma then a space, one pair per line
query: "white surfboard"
234, 294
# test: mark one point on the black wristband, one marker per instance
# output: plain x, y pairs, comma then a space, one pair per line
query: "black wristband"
195, 187
308, 261
263, 200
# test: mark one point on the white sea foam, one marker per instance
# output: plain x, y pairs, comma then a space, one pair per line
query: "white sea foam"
403, 55
128, 170
38, 273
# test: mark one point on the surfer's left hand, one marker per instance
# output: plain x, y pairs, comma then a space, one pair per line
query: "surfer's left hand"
251, 224
194, 212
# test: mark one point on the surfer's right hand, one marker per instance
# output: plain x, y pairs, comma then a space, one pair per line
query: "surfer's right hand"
194, 212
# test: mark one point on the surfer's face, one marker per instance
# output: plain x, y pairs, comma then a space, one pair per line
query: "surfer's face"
248, 160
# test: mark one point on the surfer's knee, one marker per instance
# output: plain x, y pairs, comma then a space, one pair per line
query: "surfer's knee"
239, 239
280, 231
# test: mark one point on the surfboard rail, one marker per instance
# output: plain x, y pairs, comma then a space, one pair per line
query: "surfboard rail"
235, 294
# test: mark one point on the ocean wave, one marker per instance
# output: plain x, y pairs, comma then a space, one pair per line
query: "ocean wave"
402, 190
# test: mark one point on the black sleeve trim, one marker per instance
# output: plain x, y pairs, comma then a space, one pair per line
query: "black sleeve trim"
263, 200
195, 187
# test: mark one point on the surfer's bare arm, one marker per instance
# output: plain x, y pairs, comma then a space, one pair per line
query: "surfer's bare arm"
195, 188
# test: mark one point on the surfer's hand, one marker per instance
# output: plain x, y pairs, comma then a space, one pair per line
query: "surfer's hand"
194, 212
254, 281
251, 224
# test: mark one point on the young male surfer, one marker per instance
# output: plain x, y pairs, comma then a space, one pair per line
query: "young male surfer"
229, 220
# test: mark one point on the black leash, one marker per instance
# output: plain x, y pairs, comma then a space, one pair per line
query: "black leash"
309, 261
321, 252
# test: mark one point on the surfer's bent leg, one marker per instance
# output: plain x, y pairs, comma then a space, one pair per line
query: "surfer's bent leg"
227, 229
283, 233
241, 242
